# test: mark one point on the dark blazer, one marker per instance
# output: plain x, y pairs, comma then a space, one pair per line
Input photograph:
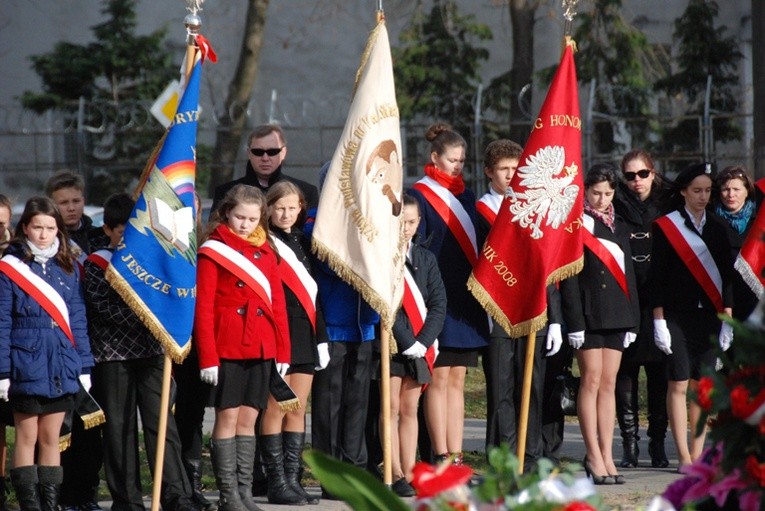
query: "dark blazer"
592, 299
424, 269
303, 340
467, 324
743, 297
672, 284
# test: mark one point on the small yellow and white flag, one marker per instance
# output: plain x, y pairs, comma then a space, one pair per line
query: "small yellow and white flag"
166, 104
358, 229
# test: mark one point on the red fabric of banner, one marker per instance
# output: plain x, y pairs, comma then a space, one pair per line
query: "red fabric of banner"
536, 239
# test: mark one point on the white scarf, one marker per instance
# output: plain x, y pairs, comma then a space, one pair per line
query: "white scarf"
42, 255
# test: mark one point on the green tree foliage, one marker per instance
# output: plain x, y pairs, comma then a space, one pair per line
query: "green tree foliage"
624, 64
119, 65
118, 75
437, 64
702, 50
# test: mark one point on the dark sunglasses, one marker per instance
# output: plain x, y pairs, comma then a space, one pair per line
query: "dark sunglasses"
270, 152
630, 176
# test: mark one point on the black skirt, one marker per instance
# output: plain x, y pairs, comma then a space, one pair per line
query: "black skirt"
401, 366
457, 357
37, 405
242, 383
611, 339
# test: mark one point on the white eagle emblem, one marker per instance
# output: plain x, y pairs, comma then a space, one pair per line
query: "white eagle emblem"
548, 193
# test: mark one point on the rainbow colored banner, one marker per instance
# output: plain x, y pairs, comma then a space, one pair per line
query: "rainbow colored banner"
154, 268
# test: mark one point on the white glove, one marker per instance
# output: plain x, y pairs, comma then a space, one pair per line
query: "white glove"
435, 349
576, 339
629, 338
416, 350
281, 368
554, 339
5, 386
209, 375
661, 336
323, 349
726, 336
85, 382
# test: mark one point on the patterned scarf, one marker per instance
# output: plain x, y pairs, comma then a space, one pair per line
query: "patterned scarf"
607, 218
454, 184
740, 219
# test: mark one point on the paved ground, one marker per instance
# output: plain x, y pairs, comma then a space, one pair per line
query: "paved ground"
642, 482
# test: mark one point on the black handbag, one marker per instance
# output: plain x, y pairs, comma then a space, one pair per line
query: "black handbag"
569, 389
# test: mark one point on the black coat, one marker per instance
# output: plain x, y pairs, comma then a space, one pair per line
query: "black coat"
303, 341
427, 276
672, 284
592, 299
638, 217
310, 192
744, 299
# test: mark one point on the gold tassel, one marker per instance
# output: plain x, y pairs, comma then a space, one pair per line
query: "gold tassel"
64, 442
494, 310
94, 419
291, 405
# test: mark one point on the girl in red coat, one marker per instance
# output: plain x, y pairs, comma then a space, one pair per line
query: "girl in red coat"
241, 330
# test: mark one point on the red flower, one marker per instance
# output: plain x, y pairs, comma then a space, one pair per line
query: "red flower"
755, 469
742, 404
431, 480
578, 506
705, 388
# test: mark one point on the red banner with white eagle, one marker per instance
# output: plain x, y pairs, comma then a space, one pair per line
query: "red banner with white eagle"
536, 238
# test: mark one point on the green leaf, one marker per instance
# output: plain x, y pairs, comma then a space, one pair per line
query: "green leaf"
356, 487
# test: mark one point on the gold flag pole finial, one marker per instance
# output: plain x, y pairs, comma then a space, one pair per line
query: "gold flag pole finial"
569, 11
379, 14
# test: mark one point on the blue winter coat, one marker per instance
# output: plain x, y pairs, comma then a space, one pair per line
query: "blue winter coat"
348, 317
34, 352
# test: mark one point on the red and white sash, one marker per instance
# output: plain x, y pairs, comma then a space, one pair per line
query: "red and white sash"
608, 252
695, 255
415, 309
241, 267
101, 258
452, 213
488, 206
296, 277
42, 292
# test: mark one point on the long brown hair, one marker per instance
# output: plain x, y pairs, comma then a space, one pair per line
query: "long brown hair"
241, 194
282, 189
44, 206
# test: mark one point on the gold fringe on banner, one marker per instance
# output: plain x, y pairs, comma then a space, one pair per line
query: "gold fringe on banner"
495, 311
566, 271
367, 293
64, 442
149, 320
94, 419
291, 405
749, 276
365, 55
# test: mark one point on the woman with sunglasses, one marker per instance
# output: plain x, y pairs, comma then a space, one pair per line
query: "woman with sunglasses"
735, 204
690, 284
637, 203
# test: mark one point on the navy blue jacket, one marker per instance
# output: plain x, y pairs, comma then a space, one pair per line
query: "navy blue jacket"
467, 323
34, 352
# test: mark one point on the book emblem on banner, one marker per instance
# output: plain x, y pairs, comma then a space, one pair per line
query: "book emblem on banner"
547, 194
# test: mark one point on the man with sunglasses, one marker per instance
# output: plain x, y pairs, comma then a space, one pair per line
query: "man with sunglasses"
266, 151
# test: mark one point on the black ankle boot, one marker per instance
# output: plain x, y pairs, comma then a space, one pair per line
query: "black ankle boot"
25, 482
293, 449
626, 413
279, 492
656, 451
193, 470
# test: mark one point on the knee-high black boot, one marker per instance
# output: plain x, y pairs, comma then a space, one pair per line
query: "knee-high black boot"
626, 413
25, 482
279, 492
50, 478
223, 456
293, 449
657, 415
194, 471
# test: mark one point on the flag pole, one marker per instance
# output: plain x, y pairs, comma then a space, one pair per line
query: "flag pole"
193, 23
569, 7
385, 366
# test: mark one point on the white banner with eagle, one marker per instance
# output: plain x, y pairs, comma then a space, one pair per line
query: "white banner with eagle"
358, 229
